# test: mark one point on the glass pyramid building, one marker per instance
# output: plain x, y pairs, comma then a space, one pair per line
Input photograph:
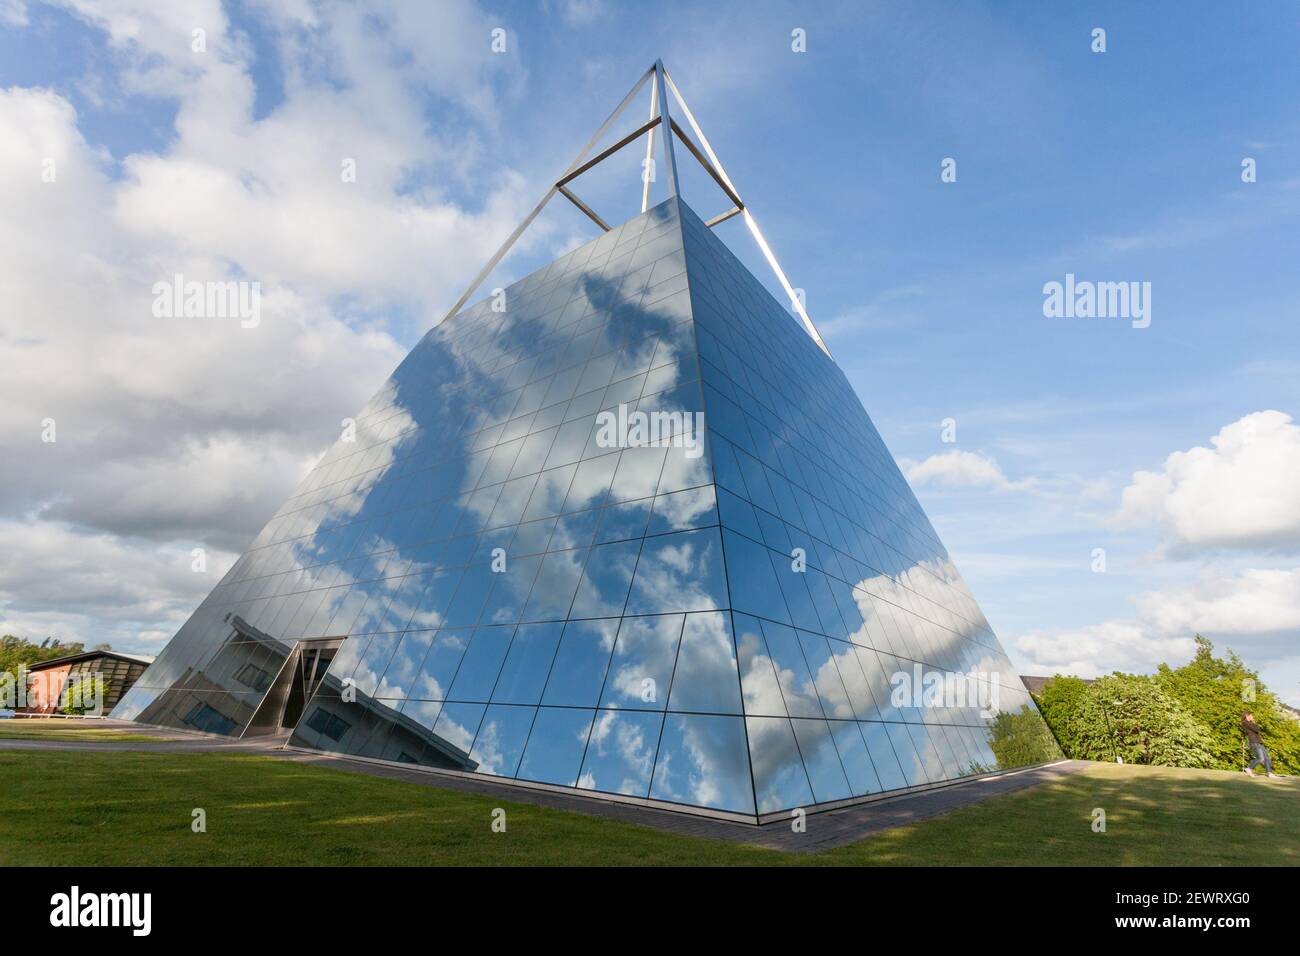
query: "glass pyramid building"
627, 529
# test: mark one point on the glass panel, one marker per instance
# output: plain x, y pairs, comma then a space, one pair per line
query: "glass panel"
931, 762
501, 738
580, 664
705, 679
854, 757
779, 779
702, 762
908, 759
621, 752
405, 665
681, 571
826, 676
606, 579
883, 757
457, 724
753, 585
440, 664
642, 669
821, 760
757, 670
792, 673
555, 746
528, 664
481, 664
556, 583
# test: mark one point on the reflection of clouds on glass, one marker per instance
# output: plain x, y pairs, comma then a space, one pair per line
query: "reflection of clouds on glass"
501, 738
683, 509
679, 572
826, 677
792, 673
553, 591
487, 749
643, 662
779, 778
757, 671
925, 740
620, 752
404, 666
702, 761
424, 712
440, 664
705, 677
458, 723
857, 683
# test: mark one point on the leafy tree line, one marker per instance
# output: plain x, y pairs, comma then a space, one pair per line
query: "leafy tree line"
1177, 717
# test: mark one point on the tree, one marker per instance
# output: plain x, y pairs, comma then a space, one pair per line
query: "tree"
1182, 717
1126, 716
18, 652
1130, 716
1021, 738
1059, 699
1216, 691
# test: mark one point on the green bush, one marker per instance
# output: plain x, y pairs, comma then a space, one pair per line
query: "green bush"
1184, 717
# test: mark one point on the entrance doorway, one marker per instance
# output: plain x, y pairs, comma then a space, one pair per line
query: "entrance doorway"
313, 661
294, 687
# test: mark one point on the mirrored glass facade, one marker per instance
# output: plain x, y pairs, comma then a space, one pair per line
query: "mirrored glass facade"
742, 608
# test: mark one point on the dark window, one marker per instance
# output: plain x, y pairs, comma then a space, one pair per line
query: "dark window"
209, 720
330, 725
250, 675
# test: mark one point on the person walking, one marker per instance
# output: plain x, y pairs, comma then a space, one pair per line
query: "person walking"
1251, 730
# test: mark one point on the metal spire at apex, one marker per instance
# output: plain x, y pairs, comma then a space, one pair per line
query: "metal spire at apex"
660, 116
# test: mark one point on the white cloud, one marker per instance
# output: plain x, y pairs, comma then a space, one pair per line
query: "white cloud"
1097, 649
959, 469
1242, 493
1251, 602
56, 582
13, 12
1255, 609
177, 433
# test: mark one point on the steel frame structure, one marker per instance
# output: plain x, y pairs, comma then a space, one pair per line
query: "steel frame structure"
660, 119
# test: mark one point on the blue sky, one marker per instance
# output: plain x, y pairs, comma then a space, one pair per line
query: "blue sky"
1117, 166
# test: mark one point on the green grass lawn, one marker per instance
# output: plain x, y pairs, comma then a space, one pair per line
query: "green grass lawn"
135, 808
26, 728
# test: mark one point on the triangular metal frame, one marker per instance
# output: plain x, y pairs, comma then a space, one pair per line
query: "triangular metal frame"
660, 117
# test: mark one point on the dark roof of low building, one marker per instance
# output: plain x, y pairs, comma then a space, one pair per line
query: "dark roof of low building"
89, 655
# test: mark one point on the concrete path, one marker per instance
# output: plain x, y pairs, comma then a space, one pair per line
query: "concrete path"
825, 830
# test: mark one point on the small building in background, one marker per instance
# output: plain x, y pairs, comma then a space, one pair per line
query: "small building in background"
48, 679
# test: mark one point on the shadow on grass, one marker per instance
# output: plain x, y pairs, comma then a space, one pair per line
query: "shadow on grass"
1152, 815
129, 808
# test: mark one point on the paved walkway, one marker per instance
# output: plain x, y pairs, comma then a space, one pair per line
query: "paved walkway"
825, 830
